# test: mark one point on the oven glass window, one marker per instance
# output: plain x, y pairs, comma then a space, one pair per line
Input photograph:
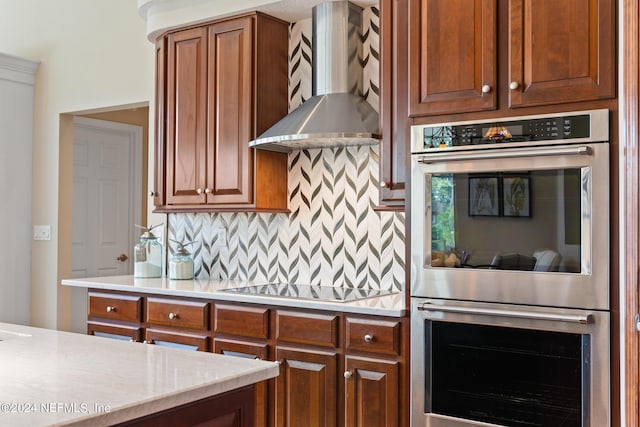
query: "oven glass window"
507, 376
508, 220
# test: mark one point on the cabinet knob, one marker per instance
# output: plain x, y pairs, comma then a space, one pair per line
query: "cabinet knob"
368, 338
207, 190
486, 88
152, 193
347, 374
132, 340
383, 184
110, 309
145, 342
173, 316
514, 85
199, 190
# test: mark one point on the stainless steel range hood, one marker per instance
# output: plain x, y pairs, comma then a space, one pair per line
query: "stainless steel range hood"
336, 114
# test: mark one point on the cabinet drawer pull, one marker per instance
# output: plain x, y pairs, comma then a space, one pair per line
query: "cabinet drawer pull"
486, 88
199, 190
347, 375
173, 316
514, 85
368, 338
110, 309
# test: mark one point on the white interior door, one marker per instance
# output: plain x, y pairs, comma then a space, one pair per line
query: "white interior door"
106, 202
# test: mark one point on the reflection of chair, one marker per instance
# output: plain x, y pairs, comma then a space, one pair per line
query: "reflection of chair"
542, 260
513, 261
547, 260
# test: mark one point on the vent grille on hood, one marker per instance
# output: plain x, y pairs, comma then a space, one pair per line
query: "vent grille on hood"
336, 114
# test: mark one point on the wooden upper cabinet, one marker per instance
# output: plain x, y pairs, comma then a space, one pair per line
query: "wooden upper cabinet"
186, 117
561, 51
226, 83
230, 180
553, 52
393, 101
161, 91
452, 56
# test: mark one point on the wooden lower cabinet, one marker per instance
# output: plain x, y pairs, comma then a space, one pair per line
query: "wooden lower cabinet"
336, 369
306, 389
251, 350
230, 409
371, 392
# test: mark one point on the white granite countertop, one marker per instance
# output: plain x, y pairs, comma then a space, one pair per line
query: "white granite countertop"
388, 305
51, 378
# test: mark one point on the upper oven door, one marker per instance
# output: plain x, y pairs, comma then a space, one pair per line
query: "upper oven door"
526, 225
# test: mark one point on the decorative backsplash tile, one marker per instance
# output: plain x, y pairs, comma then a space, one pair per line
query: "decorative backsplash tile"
333, 236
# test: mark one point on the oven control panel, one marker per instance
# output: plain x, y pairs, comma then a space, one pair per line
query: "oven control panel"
569, 127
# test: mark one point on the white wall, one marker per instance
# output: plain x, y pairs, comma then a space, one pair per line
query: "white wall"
93, 54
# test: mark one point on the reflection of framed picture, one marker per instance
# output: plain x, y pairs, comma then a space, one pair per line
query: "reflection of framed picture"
516, 195
484, 195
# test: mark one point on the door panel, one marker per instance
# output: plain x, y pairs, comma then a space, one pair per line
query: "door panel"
104, 203
230, 82
371, 398
452, 56
561, 51
306, 389
186, 117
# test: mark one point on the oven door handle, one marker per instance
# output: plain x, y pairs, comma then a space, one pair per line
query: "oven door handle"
532, 315
504, 154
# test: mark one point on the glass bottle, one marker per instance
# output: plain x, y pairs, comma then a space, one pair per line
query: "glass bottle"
148, 255
181, 264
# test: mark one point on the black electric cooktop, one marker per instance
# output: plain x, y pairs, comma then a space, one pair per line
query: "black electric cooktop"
310, 292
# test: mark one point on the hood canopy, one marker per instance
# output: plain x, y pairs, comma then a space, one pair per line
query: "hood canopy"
336, 115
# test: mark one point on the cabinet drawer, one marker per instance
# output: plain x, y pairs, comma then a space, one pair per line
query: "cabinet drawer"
120, 332
186, 341
236, 348
242, 321
375, 336
178, 313
306, 328
115, 307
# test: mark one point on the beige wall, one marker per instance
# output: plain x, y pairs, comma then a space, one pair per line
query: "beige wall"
94, 55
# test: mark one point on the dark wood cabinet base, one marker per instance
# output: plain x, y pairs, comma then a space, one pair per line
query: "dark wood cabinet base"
231, 409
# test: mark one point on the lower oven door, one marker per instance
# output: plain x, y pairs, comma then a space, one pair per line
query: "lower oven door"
480, 364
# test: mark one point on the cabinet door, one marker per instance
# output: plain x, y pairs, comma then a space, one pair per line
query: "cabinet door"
230, 172
561, 51
186, 106
157, 192
250, 350
452, 56
306, 389
393, 101
371, 392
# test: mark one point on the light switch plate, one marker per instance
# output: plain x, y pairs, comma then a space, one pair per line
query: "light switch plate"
221, 238
41, 232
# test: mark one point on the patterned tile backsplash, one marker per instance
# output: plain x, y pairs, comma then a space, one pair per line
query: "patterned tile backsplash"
333, 236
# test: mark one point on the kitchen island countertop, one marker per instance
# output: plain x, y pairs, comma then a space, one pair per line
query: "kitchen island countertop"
52, 378
387, 305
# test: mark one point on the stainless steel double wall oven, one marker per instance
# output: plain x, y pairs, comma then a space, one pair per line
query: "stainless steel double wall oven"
510, 272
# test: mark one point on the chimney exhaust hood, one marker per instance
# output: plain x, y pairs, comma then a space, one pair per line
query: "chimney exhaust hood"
336, 114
